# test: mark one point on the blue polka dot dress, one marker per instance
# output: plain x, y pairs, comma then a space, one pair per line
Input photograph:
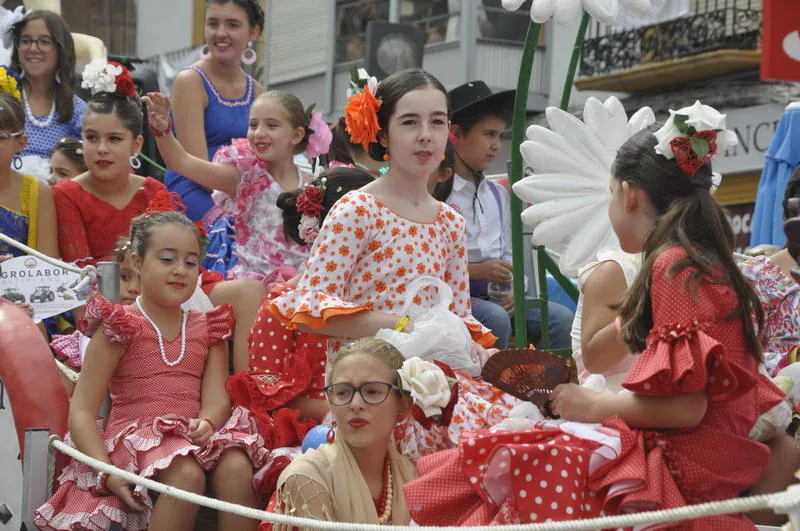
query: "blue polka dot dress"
41, 140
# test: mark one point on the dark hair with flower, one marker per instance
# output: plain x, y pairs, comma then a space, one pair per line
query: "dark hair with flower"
164, 208
113, 92
337, 182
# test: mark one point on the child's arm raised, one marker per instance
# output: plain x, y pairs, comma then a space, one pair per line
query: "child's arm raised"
215, 405
601, 346
99, 365
209, 174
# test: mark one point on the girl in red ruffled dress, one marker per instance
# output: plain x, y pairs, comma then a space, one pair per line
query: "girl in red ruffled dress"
680, 436
170, 417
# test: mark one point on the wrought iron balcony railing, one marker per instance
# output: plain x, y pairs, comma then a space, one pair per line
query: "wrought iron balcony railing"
711, 25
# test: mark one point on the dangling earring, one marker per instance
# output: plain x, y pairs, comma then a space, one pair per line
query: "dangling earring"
387, 156
17, 162
58, 77
249, 55
134, 161
205, 53
331, 436
21, 72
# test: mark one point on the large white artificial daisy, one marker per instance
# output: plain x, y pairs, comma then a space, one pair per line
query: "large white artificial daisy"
562, 11
569, 189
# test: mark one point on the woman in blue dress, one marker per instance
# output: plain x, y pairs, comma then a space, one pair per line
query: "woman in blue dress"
44, 55
219, 85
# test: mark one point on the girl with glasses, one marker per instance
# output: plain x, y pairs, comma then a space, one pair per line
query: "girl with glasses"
44, 57
359, 476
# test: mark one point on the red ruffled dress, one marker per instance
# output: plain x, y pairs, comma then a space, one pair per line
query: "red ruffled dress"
284, 365
363, 259
88, 227
151, 406
565, 470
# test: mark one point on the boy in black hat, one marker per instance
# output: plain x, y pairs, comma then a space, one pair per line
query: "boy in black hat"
478, 120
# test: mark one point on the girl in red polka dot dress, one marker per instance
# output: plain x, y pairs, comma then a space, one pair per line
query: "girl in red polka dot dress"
170, 416
378, 239
284, 386
680, 436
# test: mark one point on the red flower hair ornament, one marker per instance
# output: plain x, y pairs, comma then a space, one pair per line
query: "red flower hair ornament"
165, 201
310, 206
361, 113
112, 77
693, 136
433, 388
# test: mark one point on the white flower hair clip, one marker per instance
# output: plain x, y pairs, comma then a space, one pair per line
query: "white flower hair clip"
693, 136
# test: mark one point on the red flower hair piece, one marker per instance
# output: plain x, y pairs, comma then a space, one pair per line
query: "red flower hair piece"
125, 84
165, 201
686, 152
309, 202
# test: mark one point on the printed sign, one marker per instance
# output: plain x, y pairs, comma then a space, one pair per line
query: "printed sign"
46, 288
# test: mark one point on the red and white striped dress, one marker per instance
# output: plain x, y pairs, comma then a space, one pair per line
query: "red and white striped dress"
152, 404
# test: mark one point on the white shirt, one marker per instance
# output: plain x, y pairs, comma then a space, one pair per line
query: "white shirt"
488, 221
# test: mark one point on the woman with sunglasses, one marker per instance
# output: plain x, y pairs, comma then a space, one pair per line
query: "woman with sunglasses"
44, 57
359, 476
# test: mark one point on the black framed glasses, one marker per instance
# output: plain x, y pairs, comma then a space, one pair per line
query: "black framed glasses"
45, 44
374, 393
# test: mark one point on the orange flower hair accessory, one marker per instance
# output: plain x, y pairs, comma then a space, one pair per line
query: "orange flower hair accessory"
361, 117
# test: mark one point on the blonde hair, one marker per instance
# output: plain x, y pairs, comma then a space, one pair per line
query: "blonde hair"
377, 348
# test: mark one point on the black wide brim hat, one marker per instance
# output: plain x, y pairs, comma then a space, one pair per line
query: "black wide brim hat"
477, 94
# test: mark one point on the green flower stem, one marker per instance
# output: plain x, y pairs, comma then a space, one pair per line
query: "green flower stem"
151, 161
517, 133
573, 62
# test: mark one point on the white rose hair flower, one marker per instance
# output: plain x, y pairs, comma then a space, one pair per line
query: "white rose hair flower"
432, 386
101, 76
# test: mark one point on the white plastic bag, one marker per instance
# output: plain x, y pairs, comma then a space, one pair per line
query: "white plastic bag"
437, 334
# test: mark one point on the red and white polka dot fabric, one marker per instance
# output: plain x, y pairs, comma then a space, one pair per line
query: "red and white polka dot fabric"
148, 425
568, 470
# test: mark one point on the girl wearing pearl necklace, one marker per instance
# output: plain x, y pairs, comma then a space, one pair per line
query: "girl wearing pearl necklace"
43, 55
359, 476
170, 417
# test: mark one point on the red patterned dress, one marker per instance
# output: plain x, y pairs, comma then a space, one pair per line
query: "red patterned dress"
147, 427
363, 259
284, 364
88, 227
566, 470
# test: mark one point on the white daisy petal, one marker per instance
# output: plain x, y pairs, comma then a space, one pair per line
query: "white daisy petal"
566, 10
569, 190
605, 11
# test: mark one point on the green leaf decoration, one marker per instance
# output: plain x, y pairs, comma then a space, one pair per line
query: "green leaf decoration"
354, 76
680, 123
700, 147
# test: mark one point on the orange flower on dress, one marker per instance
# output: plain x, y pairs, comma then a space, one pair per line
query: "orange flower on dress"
412, 231
361, 118
359, 232
330, 266
314, 282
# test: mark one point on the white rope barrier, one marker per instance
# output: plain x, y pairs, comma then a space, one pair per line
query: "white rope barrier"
782, 502
88, 274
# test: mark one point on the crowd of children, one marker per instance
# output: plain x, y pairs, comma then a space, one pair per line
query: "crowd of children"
322, 263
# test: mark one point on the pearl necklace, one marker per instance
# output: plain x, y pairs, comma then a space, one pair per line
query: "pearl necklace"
161, 338
387, 509
33, 119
